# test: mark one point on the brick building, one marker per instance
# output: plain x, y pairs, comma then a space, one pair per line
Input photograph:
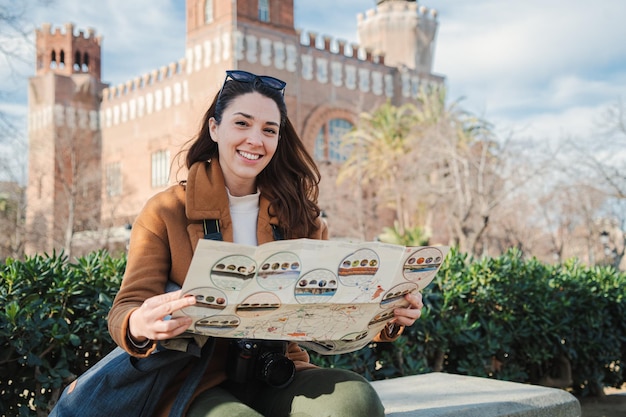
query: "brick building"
98, 152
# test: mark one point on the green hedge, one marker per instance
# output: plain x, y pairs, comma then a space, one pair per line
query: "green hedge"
52, 325
504, 318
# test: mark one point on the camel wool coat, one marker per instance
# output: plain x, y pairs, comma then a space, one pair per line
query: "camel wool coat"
163, 239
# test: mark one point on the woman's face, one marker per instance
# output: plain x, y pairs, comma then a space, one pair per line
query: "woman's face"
247, 139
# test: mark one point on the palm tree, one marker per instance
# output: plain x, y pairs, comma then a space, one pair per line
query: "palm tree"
379, 146
430, 161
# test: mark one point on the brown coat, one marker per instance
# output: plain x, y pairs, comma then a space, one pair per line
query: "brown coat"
162, 243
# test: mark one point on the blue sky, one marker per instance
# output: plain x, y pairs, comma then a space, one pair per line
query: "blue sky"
545, 69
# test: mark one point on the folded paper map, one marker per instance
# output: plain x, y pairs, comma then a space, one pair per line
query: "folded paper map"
329, 296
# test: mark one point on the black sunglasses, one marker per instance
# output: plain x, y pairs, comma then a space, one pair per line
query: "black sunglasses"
248, 77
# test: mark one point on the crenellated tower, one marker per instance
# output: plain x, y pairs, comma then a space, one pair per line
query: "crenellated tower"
64, 137
62, 52
403, 30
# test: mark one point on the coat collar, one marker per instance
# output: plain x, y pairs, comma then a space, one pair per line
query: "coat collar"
206, 196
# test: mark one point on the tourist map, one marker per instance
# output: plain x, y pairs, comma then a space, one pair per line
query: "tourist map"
329, 296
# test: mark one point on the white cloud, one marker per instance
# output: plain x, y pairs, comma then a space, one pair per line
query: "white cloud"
530, 39
554, 126
547, 69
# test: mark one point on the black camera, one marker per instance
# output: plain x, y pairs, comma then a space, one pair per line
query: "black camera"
262, 360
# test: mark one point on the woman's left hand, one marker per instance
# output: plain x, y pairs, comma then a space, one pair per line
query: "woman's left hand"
407, 316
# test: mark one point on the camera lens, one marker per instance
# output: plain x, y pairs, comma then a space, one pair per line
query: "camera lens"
275, 369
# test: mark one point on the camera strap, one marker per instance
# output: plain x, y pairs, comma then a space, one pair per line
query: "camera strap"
212, 230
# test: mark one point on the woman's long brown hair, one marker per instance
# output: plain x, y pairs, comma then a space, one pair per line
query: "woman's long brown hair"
290, 181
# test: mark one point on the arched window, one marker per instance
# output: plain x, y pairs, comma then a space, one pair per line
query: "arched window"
62, 59
329, 139
53, 59
76, 65
208, 11
264, 11
85, 65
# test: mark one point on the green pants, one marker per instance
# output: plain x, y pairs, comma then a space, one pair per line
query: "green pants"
313, 393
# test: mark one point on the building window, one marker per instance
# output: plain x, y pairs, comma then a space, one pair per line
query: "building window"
113, 179
328, 143
160, 168
320, 145
76, 65
208, 11
264, 11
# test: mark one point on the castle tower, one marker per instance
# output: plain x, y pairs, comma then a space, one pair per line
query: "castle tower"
404, 31
64, 138
67, 54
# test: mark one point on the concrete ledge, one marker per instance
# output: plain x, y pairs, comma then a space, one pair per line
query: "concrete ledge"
448, 395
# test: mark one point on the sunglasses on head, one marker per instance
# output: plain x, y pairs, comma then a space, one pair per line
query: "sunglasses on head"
248, 77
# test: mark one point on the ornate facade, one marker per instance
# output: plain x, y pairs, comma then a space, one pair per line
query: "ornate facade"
135, 129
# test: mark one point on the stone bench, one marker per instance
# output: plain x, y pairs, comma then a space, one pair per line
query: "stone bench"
440, 394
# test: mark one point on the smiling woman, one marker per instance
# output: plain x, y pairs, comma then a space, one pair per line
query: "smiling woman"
251, 178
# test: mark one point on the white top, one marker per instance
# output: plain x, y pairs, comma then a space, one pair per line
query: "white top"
244, 212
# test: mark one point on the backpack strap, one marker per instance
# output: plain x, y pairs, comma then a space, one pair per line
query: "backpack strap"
193, 379
212, 229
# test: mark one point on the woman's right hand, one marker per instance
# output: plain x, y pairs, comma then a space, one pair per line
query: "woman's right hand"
153, 319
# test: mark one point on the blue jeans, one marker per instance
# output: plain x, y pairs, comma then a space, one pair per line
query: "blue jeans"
312, 393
